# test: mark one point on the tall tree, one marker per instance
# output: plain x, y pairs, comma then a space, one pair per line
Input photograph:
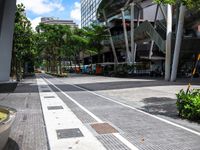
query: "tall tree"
54, 44
96, 34
23, 45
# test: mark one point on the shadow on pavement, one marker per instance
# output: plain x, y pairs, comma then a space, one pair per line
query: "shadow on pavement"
161, 106
11, 145
128, 84
33, 88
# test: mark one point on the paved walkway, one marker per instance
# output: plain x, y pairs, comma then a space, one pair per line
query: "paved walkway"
28, 131
114, 112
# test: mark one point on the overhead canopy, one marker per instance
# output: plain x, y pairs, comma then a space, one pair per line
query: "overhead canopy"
112, 7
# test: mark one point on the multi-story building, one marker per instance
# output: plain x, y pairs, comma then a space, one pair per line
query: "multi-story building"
88, 11
138, 30
51, 20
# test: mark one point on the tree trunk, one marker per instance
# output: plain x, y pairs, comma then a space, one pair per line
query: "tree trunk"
98, 55
60, 66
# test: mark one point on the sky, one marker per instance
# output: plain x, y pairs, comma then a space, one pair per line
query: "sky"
62, 9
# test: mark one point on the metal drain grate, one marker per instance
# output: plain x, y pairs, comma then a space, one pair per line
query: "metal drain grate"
54, 107
44, 86
69, 133
103, 128
49, 96
111, 142
46, 91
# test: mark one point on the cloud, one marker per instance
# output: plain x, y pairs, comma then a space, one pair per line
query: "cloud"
76, 12
40, 7
35, 22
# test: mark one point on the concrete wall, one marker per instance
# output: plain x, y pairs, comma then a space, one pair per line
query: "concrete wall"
1, 12
7, 16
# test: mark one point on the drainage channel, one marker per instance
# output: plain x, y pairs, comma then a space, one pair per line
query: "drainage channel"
64, 129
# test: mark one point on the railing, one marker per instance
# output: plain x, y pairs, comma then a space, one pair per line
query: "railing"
146, 32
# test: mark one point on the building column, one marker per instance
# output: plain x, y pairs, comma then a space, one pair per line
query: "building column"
178, 42
126, 38
111, 40
152, 42
132, 33
168, 43
138, 24
6, 38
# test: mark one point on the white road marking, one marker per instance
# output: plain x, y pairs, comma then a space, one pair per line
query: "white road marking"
125, 105
117, 135
64, 119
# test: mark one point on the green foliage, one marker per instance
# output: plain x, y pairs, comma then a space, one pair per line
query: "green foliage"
191, 4
24, 50
58, 75
23, 34
188, 104
60, 42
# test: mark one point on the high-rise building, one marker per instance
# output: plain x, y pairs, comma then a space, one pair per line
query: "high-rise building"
51, 20
88, 11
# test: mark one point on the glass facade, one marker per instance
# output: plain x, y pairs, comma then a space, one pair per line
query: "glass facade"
88, 11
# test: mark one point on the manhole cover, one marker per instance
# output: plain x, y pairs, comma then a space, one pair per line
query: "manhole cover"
103, 128
69, 133
49, 96
54, 107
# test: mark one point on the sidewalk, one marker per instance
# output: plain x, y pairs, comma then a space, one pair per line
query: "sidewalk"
28, 130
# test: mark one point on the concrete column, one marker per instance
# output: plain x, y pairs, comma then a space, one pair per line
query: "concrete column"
6, 38
111, 40
126, 37
168, 43
178, 42
132, 33
138, 24
152, 42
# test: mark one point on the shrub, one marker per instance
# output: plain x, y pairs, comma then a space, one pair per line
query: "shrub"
58, 75
188, 104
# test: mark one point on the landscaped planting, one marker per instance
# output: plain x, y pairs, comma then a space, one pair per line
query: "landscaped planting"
58, 75
188, 104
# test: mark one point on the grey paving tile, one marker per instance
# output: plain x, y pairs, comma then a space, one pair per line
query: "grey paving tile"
28, 131
143, 131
